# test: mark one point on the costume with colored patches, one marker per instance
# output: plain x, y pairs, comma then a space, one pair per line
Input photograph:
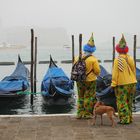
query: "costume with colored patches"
87, 88
124, 80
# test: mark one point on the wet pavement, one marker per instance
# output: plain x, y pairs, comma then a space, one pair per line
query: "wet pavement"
65, 127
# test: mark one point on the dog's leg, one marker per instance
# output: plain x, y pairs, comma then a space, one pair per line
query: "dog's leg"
113, 123
101, 120
94, 119
110, 115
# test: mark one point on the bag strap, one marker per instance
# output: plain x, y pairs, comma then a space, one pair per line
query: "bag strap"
84, 58
89, 72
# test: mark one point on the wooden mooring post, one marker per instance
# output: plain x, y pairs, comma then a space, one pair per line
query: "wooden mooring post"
73, 49
32, 65
35, 65
134, 49
113, 51
80, 46
134, 56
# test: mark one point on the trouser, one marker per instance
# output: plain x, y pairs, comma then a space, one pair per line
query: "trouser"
124, 97
86, 98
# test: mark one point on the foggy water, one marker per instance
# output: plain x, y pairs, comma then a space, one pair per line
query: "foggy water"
23, 106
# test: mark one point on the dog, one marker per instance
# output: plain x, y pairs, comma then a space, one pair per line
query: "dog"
100, 108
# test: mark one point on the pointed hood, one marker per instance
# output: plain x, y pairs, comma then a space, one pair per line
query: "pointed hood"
122, 46
90, 46
91, 41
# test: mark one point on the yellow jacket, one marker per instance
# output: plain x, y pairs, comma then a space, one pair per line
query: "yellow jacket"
124, 71
92, 64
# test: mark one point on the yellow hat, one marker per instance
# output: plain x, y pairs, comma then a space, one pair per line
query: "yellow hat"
91, 41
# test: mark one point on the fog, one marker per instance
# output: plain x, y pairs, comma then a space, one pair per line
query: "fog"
106, 18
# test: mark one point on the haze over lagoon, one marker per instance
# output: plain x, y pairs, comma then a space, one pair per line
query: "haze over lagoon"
55, 21
103, 17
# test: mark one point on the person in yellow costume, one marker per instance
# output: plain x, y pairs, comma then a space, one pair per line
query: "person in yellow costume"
124, 82
86, 89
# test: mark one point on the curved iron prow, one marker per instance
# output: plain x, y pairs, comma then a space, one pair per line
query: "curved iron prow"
52, 63
19, 59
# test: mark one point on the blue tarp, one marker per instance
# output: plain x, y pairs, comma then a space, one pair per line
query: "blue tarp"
58, 80
11, 86
17, 81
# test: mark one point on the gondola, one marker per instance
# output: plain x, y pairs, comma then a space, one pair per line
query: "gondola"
138, 79
137, 95
104, 92
56, 87
18, 81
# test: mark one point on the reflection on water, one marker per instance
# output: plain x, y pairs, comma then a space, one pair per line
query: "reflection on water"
40, 106
59, 106
11, 105
56, 109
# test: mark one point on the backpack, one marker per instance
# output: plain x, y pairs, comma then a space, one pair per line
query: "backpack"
78, 72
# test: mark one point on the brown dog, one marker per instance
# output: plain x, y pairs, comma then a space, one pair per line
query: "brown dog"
100, 108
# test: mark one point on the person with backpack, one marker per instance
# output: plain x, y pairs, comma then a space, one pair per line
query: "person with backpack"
86, 85
124, 82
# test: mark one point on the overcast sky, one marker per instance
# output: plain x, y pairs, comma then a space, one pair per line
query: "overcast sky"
103, 17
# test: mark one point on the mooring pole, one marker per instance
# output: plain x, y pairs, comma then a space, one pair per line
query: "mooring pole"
35, 65
134, 56
80, 46
134, 49
113, 51
32, 65
72, 49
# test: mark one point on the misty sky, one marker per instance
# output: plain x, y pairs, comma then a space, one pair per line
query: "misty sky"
103, 17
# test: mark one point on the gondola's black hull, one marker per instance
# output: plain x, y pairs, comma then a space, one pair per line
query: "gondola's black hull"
109, 99
58, 99
13, 96
104, 92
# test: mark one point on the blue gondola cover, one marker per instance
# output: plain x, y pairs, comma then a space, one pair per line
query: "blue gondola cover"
17, 81
56, 81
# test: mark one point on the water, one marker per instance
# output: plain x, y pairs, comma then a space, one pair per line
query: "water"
40, 107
